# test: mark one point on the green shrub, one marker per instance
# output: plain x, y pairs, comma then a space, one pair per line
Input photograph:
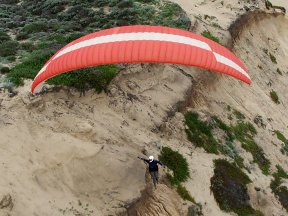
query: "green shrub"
29, 67
96, 77
22, 36
195, 210
284, 148
73, 36
88, 78
200, 133
125, 4
274, 97
182, 191
273, 59
11, 58
170, 9
238, 114
103, 3
177, 163
280, 173
9, 1
244, 132
4, 70
265, 51
8, 48
4, 37
60, 38
229, 108
280, 136
27, 46
280, 192
224, 127
229, 188
208, 34
35, 27
228, 147
279, 71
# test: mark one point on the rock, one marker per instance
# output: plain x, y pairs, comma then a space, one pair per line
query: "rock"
195, 210
132, 97
125, 123
132, 85
83, 127
246, 8
6, 202
179, 116
12, 94
113, 91
135, 68
258, 120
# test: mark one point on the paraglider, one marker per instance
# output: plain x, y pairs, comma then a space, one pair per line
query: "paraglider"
141, 43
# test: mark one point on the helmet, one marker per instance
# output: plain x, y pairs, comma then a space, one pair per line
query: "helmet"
151, 158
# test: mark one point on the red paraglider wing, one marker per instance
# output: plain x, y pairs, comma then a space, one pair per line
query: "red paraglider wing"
140, 43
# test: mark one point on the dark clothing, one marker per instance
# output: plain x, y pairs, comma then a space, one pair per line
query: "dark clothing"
152, 164
154, 176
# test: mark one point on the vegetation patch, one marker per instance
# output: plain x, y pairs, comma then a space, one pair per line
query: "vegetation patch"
229, 186
200, 133
182, 191
4, 70
8, 48
208, 34
244, 132
4, 37
273, 58
224, 127
280, 192
274, 97
179, 166
44, 26
238, 114
96, 78
265, 51
34, 27
281, 137
29, 67
279, 71
228, 147
284, 148
195, 210
177, 163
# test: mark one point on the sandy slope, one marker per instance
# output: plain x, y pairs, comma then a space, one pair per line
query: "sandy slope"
58, 148
65, 155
